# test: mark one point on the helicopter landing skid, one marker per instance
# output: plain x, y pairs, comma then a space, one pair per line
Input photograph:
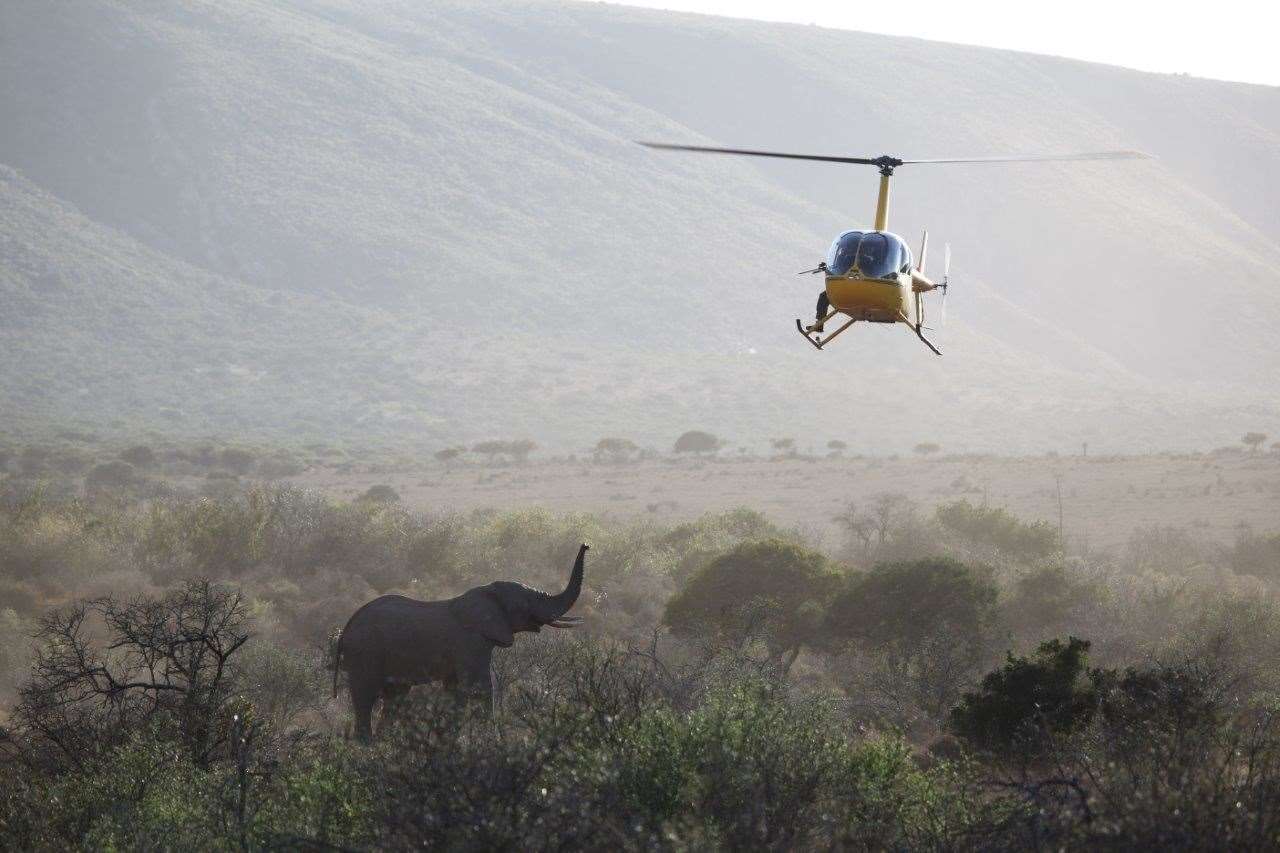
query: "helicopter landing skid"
819, 342
925, 340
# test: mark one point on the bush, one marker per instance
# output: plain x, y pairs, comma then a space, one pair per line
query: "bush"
1163, 550
139, 456
614, 449
111, 475
1048, 600
1257, 555
1050, 693
164, 662
772, 591
697, 441
997, 531
926, 625
237, 460
381, 493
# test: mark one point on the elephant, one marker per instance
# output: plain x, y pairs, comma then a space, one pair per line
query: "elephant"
394, 642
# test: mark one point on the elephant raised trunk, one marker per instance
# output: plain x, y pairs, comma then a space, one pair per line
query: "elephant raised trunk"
558, 605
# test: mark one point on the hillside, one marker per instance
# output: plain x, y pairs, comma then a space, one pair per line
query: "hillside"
426, 223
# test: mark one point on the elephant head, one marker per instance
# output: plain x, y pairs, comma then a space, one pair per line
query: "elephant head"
502, 609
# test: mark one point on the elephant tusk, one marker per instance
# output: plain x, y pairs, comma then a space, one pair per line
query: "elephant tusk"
566, 622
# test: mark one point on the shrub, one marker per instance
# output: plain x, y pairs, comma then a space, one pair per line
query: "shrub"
927, 625
904, 603
1045, 600
164, 662
381, 493
277, 467
236, 459
139, 456
772, 591
697, 441
1050, 693
1164, 550
1257, 555
996, 530
111, 475
449, 455
614, 449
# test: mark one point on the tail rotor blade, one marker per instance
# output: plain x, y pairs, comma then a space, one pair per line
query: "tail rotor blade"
946, 280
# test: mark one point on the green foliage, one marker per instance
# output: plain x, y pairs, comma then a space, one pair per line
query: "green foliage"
903, 604
924, 628
449, 454
772, 590
380, 493
237, 460
1165, 550
697, 441
1253, 440
614, 449
139, 456
1051, 693
1046, 599
615, 735
995, 529
1256, 554
518, 450
111, 475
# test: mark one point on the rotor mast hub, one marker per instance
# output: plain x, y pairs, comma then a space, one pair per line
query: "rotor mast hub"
886, 164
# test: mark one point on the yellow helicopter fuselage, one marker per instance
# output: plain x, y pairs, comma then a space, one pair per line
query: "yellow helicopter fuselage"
874, 300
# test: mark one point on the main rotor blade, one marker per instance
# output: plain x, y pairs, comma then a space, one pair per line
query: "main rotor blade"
1032, 158
749, 153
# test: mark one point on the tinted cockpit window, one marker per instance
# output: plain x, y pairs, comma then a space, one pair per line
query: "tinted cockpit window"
874, 254
843, 252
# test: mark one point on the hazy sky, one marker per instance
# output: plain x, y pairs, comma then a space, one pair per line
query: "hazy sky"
1226, 39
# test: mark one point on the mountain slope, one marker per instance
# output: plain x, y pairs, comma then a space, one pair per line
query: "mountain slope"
428, 223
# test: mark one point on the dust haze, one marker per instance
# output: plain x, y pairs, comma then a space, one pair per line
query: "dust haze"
308, 303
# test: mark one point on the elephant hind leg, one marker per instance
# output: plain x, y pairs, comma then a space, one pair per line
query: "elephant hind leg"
393, 696
364, 695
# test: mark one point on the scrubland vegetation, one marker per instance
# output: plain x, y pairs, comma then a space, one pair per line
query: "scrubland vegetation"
941, 679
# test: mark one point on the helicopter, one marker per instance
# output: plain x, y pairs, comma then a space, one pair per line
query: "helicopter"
869, 273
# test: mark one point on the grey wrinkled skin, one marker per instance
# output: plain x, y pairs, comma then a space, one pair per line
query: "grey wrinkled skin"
394, 642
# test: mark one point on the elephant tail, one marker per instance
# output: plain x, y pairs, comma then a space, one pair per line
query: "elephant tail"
337, 661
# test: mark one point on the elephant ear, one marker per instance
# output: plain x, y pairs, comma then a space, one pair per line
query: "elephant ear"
479, 610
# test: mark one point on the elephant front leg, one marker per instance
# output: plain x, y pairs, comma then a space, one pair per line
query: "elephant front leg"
475, 683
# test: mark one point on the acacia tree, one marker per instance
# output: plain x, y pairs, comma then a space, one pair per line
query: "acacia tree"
928, 624
448, 456
490, 449
697, 441
869, 530
614, 449
772, 592
167, 660
784, 446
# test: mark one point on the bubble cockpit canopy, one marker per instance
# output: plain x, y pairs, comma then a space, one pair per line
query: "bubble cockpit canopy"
874, 254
